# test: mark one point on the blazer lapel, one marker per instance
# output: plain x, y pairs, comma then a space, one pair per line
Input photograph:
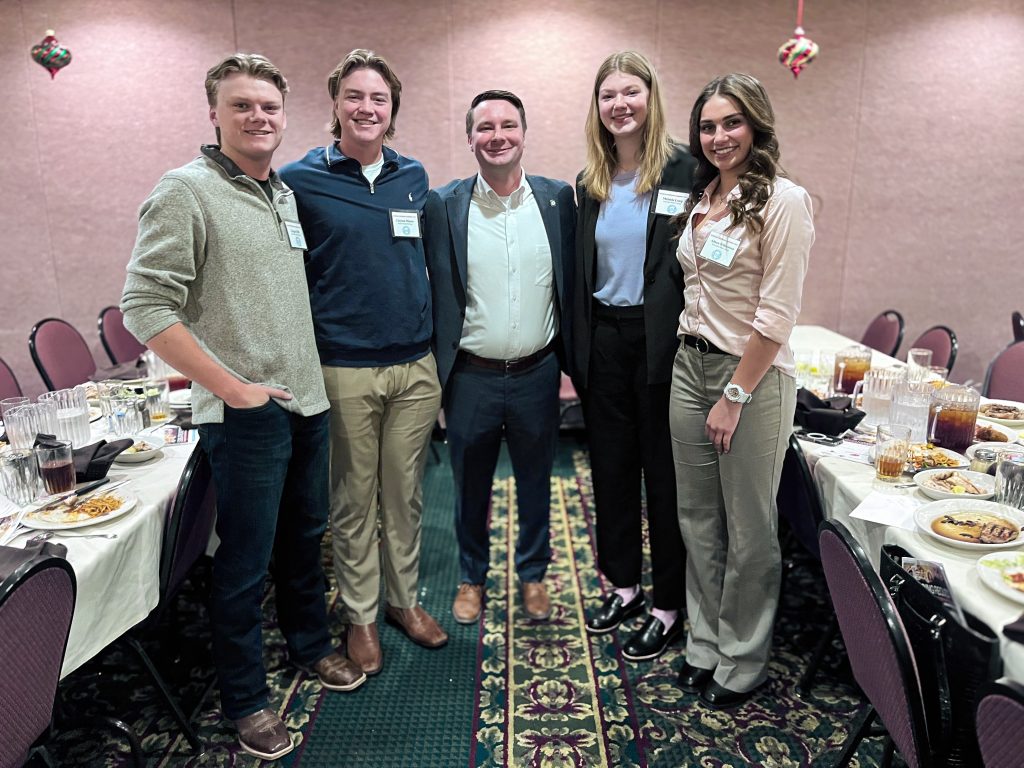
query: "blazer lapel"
458, 222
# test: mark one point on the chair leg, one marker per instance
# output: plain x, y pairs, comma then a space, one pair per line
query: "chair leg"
161, 686
887, 753
803, 687
124, 729
854, 739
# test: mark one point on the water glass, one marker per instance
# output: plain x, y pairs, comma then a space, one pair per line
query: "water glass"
72, 414
24, 422
910, 403
56, 466
1010, 479
11, 402
892, 450
156, 400
19, 476
125, 419
919, 357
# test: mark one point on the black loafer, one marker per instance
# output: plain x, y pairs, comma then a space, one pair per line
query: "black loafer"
652, 640
613, 612
693, 679
719, 697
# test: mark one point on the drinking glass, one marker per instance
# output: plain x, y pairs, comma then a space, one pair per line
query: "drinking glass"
11, 402
56, 467
156, 400
24, 422
1010, 479
909, 407
919, 357
937, 375
850, 366
72, 414
124, 416
877, 386
892, 449
952, 418
19, 476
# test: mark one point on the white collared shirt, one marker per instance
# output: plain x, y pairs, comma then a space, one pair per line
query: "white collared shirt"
510, 311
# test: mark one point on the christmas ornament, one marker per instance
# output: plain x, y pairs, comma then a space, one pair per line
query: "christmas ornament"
49, 53
799, 51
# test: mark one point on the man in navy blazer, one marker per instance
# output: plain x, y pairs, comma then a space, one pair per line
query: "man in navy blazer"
499, 249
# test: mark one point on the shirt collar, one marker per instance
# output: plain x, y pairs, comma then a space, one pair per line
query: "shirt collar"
333, 155
213, 152
484, 194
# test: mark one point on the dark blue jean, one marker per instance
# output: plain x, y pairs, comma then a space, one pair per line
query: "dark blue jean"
270, 468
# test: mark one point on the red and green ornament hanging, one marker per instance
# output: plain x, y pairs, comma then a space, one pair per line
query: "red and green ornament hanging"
799, 51
50, 54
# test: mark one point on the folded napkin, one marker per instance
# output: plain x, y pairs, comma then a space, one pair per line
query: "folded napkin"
92, 462
832, 416
1015, 630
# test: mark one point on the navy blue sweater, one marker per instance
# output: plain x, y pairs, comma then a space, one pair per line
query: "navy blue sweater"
368, 290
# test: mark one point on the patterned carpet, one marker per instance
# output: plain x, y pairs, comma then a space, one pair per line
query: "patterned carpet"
506, 692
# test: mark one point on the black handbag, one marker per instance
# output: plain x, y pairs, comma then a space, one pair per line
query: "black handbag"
953, 661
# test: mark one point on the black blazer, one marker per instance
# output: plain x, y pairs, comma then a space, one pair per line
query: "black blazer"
446, 241
663, 278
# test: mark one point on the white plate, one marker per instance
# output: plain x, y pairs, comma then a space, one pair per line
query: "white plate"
136, 458
991, 446
992, 570
1016, 423
927, 513
980, 479
959, 458
180, 398
1008, 432
128, 501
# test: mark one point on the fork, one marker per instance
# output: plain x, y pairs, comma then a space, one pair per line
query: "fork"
50, 534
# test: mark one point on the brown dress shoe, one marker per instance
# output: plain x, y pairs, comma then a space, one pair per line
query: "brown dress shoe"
418, 625
264, 735
337, 673
363, 647
536, 602
468, 603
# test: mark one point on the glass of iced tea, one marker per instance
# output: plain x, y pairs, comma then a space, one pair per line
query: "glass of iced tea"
56, 466
954, 413
892, 449
850, 366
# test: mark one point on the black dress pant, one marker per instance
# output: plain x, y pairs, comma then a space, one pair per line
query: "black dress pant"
629, 438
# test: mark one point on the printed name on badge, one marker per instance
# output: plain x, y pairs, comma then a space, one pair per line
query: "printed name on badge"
405, 223
670, 202
295, 236
720, 249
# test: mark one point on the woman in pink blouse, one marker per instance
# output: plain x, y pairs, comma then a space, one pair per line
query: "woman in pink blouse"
746, 234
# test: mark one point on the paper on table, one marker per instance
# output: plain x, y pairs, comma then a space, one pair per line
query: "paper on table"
857, 452
893, 509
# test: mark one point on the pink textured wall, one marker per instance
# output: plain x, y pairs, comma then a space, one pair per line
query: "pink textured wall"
908, 118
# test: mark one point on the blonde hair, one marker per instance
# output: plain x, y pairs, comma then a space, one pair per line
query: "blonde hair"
361, 58
251, 64
656, 145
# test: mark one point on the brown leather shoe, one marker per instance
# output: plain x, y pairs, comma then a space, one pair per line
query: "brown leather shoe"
264, 735
337, 673
363, 647
468, 603
536, 602
418, 625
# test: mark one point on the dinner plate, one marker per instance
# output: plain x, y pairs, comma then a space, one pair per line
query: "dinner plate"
1016, 423
128, 501
95, 414
138, 457
959, 460
1009, 433
926, 513
180, 398
997, 571
980, 479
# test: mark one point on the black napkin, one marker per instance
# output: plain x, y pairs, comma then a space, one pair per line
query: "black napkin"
92, 462
832, 416
1015, 630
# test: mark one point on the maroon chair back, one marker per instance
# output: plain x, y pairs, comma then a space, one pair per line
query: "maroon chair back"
9, 386
876, 642
1000, 724
943, 344
884, 333
120, 345
60, 353
32, 641
188, 526
1004, 379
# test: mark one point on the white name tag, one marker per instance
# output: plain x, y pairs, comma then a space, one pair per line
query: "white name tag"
670, 202
405, 223
720, 249
295, 236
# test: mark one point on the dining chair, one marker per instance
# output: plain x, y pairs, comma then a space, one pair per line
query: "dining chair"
884, 333
1017, 319
120, 345
570, 409
9, 386
60, 353
1000, 724
187, 531
941, 340
878, 649
1004, 378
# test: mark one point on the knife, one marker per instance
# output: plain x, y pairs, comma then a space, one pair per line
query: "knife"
76, 496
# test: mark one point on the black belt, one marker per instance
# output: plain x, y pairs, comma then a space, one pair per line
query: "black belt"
702, 345
507, 366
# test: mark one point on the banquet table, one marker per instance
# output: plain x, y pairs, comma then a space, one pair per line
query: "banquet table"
119, 579
843, 484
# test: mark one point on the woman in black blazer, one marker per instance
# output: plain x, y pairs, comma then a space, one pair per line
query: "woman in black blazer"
628, 297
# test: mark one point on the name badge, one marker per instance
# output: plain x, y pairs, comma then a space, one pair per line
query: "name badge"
295, 236
670, 202
405, 223
720, 249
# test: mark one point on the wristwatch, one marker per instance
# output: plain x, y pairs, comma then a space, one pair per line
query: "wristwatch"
734, 394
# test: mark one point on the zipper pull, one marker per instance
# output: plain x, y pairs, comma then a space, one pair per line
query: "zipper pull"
371, 187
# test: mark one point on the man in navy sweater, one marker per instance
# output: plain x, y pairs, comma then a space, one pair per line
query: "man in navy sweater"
359, 203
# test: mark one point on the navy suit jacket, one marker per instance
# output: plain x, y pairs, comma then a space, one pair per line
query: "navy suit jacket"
446, 242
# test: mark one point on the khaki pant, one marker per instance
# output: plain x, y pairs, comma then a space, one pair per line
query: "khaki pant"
381, 421
727, 516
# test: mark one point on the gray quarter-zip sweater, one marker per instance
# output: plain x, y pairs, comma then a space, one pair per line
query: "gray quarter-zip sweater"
213, 253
